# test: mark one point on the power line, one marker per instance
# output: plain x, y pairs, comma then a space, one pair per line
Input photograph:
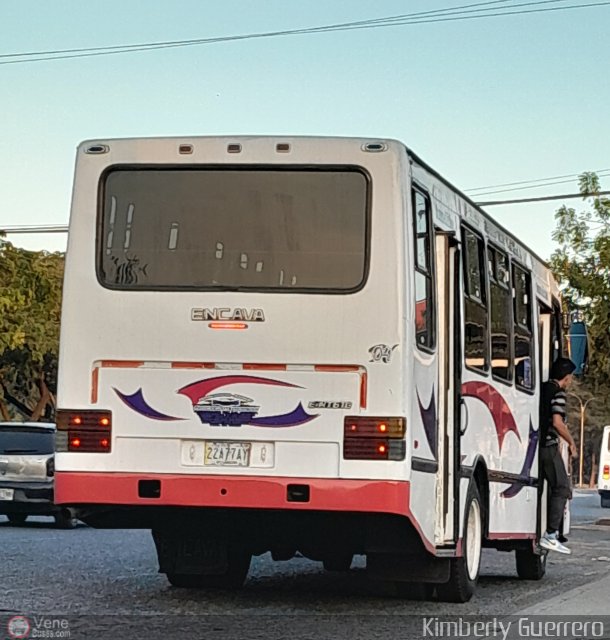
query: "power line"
527, 182
438, 15
534, 186
200, 40
566, 196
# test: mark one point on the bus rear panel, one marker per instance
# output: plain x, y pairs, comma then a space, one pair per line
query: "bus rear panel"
300, 344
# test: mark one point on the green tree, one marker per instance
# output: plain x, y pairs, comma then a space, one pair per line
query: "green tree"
30, 302
582, 265
582, 262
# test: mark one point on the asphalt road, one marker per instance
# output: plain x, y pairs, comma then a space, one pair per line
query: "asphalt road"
104, 583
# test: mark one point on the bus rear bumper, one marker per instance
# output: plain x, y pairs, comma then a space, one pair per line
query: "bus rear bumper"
260, 492
379, 509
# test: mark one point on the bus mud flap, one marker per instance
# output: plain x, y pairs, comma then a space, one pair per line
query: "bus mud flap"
407, 567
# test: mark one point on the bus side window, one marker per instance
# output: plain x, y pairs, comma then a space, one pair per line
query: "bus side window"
425, 336
523, 345
476, 343
500, 315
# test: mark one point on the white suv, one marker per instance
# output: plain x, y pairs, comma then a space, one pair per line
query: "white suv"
26, 473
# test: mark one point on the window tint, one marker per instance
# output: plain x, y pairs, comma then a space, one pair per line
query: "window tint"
424, 289
474, 281
500, 315
26, 441
226, 228
476, 349
523, 345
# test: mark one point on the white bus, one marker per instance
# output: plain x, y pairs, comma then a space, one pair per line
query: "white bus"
300, 344
603, 482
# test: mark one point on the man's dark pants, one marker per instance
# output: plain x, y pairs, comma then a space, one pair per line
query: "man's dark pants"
554, 471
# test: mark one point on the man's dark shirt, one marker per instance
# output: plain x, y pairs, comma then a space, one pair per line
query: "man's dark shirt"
553, 402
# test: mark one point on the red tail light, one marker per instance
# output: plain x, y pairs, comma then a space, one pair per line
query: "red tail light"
367, 438
83, 431
606, 472
366, 427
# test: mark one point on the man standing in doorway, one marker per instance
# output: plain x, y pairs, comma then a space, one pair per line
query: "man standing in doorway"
553, 428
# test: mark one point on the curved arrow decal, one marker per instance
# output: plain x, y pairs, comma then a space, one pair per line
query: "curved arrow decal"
233, 410
137, 402
500, 411
197, 390
428, 418
223, 409
526, 469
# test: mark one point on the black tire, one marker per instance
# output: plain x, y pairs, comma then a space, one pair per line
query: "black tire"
65, 520
530, 565
464, 571
17, 519
606, 502
338, 562
233, 578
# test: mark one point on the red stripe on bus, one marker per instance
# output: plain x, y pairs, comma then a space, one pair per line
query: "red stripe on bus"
122, 364
336, 367
193, 365
263, 492
270, 367
363, 389
95, 374
512, 535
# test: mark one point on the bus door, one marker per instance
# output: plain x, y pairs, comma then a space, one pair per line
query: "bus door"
549, 333
447, 482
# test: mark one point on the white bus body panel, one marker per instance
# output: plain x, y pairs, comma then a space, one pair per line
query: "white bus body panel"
134, 352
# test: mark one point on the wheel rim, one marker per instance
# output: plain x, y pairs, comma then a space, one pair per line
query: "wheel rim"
473, 540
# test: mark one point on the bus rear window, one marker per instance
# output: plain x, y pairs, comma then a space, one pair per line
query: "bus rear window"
233, 228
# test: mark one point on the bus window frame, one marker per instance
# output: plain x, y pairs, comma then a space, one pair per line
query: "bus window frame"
482, 303
533, 343
431, 276
508, 382
99, 225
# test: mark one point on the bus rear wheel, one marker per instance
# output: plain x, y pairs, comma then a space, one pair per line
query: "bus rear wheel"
464, 571
338, 562
65, 519
530, 565
605, 502
233, 578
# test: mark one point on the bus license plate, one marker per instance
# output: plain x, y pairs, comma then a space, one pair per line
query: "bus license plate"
7, 494
229, 454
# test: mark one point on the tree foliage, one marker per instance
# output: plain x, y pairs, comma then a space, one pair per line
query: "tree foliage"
583, 263
30, 303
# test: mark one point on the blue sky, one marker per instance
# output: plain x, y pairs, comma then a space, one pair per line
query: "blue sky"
484, 101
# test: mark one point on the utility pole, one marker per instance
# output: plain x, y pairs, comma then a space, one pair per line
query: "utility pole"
583, 408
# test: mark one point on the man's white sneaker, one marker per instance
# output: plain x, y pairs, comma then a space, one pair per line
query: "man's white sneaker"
551, 543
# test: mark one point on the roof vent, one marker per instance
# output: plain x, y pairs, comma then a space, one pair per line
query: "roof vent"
375, 147
97, 149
